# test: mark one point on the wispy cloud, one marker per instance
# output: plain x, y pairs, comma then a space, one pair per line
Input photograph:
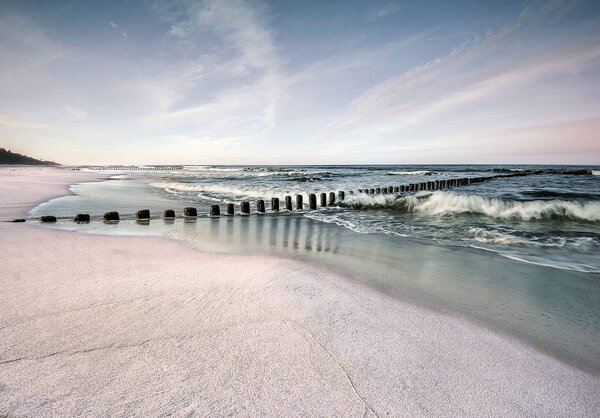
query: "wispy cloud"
477, 70
117, 28
76, 113
246, 65
387, 10
25, 45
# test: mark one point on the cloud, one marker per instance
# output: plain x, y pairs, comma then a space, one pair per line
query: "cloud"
479, 69
241, 69
388, 10
10, 123
26, 45
116, 27
526, 144
76, 113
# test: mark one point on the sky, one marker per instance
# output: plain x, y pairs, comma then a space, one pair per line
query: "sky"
301, 82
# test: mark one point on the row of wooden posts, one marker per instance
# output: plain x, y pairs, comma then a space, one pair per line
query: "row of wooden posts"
324, 199
128, 168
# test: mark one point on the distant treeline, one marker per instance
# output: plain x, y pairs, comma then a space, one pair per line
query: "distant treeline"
8, 157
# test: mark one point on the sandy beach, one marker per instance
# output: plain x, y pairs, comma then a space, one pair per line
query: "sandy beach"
119, 326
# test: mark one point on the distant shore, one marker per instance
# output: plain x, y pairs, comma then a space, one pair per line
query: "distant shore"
142, 325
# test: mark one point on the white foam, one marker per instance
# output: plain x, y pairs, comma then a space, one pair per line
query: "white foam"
447, 203
409, 173
441, 203
211, 171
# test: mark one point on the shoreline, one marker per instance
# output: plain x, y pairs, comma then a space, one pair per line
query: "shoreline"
496, 301
258, 312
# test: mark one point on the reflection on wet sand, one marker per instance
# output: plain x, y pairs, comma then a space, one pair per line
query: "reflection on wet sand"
289, 233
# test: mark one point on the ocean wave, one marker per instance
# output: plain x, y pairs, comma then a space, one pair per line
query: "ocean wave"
514, 239
564, 171
213, 190
448, 203
232, 172
410, 173
507, 170
225, 193
595, 172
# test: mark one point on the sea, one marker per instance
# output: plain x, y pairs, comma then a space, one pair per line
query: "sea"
519, 254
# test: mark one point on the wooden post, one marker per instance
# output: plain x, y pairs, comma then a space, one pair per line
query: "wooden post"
331, 198
342, 195
378, 190
245, 208
299, 203
260, 206
111, 216
323, 199
142, 214
215, 210
230, 209
48, 219
288, 203
82, 218
190, 212
169, 214
275, 204
312, 201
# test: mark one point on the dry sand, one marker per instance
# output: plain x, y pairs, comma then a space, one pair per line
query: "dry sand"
93, 325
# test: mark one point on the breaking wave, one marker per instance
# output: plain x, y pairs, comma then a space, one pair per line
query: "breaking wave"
410, 173
217, 172
219, 191
449, 203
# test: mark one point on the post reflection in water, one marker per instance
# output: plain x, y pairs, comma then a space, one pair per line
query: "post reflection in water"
273, 233
283, 234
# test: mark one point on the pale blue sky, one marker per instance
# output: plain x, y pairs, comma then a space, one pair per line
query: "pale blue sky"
301, 82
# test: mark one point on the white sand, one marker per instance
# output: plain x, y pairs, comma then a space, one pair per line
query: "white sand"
93, 325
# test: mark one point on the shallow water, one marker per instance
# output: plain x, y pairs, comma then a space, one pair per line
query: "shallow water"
401, 246
549, 218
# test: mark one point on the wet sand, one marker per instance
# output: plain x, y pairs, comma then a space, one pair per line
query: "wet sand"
105, 325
